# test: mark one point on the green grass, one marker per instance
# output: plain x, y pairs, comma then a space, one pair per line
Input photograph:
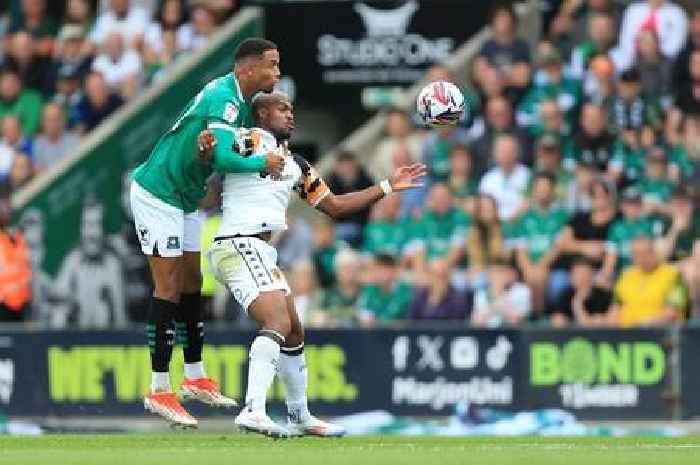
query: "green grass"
213, 449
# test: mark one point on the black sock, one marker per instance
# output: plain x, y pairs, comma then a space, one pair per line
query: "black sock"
161, 333
189, 322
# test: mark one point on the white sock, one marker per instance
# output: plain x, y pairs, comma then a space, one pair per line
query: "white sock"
264, 359
160, 381
194, 370
293, 374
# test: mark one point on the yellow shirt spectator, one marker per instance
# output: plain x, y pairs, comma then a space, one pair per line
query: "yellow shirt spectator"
644, 297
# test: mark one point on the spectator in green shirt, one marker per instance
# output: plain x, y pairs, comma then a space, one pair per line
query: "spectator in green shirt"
548, 160
338, 304
386, 298
684, 228
634, 223
23, 103
440, 232
461, 181
655, 186
326, 246
551, 85
386, 232
537, 231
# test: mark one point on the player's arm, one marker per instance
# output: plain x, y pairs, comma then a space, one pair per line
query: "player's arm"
341, 206
216, 144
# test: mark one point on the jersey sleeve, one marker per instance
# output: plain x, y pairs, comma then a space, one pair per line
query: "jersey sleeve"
227, 159
311, 187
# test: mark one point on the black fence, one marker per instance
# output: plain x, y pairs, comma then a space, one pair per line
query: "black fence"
602, 374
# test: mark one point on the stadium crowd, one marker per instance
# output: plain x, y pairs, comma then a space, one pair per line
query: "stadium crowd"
567, 195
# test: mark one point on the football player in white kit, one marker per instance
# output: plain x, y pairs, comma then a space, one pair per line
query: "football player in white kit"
255, 206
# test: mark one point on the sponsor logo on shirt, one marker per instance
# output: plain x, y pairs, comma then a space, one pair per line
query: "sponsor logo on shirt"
230, 112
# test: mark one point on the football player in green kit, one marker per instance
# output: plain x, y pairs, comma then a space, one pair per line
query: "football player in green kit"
165, 193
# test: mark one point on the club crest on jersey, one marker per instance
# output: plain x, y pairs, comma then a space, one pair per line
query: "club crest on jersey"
230, 112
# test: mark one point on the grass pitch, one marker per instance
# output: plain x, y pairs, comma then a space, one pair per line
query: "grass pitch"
214, 449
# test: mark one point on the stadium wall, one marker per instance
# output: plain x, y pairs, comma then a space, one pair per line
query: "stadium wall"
601, 374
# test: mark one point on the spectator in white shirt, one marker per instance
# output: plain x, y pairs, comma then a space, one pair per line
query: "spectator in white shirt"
401, 146
508, 180
505, 301
666, 19
54, 142
121, 67
121, 17
170, 17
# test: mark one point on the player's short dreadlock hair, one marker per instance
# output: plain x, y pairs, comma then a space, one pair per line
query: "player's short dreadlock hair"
253, 47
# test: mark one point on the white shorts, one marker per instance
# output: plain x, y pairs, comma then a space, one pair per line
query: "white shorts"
247, 266
162, 229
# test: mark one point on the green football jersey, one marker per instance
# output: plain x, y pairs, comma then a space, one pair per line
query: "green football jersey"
537, 230
386, 306
173, 172
623, 232
656, 190
439, 233
382, 236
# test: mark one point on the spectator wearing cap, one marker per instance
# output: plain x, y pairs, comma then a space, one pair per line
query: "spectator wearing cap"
601, 38
440, 232
54, 142
347, 176
400, 146
508, 181
664, 18
550, 83
583, 302
15, 272
439, 299
23, 103
121, 67
498, 120
586, 233
655, 186
648, 293
684, 228
592, 144
31, 68
72, 60
505, 301
505, 53
33, 18
536, 233
548, 160
386, 298
631, 110
97, 103
634, 223
123, 18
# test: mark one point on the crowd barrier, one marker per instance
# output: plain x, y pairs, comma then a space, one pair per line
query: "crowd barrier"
601, 374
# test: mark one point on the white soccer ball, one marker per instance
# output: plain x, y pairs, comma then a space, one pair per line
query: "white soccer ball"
440, 103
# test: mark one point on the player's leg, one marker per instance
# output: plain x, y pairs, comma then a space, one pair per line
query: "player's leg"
268, 311
293, 373
244, 266
159, 227
189, 322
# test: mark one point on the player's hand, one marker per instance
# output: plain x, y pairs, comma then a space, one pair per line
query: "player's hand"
274, 164
206, 141
408, 177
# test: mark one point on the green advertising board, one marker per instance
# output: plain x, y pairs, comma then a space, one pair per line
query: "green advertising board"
78, 225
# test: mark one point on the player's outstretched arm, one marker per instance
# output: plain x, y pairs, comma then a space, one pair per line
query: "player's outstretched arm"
218, 146
341, 206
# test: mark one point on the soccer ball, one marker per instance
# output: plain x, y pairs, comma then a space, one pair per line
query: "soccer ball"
440, 104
